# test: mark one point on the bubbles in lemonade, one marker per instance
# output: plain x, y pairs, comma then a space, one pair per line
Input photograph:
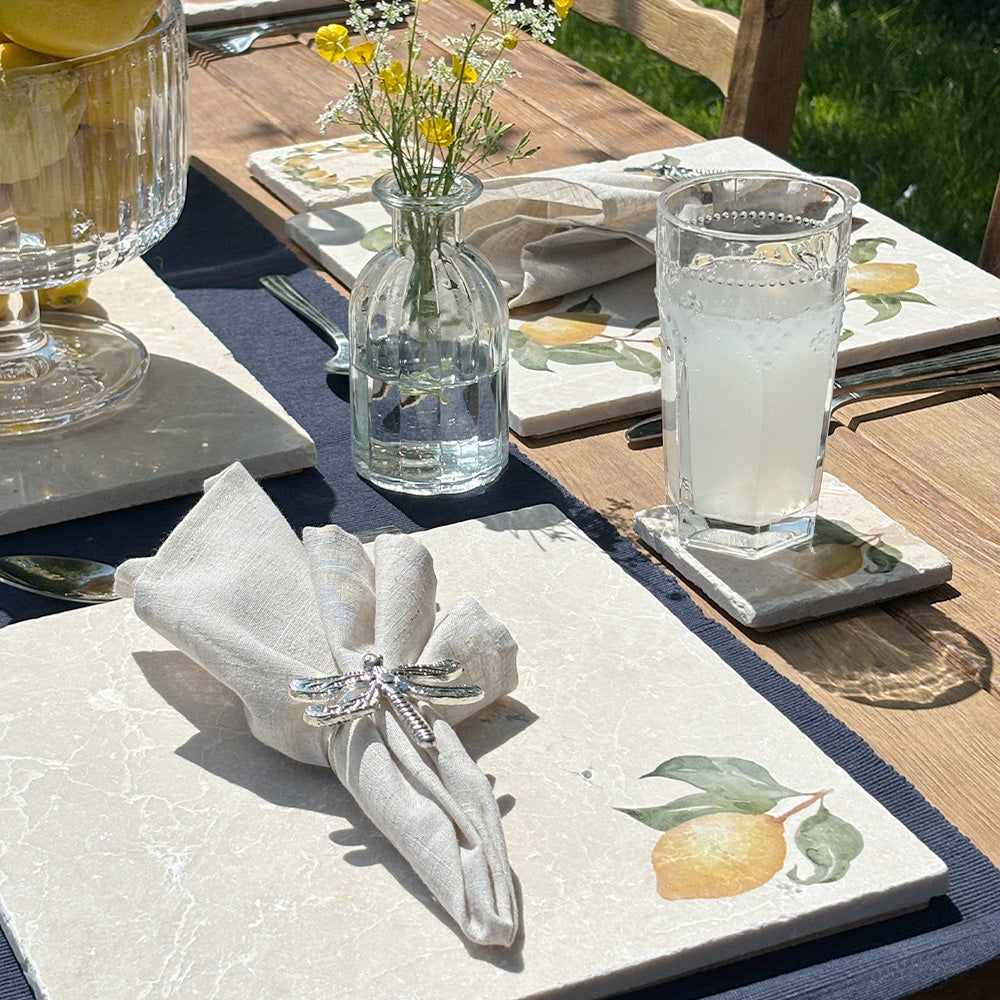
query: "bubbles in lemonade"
757, 344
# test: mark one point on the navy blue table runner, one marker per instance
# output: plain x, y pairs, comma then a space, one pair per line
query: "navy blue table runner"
212, 260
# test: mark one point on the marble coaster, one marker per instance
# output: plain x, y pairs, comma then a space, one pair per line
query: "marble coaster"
196, 412
859, 556
148, 844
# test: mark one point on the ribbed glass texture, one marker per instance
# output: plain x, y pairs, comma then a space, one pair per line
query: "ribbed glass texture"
428, 352
93, 163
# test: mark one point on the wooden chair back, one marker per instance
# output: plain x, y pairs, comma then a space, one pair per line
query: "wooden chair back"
756, 59
989, 258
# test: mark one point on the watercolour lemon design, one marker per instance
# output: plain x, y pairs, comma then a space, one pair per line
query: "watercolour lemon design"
579, 335
314, 166
836, 550
723, 841
884, 286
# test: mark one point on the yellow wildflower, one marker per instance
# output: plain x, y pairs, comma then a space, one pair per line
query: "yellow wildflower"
562, 7
361, 54
509, 40
438, 131
464, 73
331, 42
394, 78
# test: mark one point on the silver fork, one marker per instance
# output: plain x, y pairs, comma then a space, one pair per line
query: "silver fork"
233, 40
282, 289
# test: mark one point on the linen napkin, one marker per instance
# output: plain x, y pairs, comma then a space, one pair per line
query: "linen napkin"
565, 230
558, 231
234, 589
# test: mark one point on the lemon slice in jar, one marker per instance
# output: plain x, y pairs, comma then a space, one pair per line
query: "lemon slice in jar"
39, 114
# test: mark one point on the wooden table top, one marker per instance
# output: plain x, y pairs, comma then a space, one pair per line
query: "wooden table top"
913, 676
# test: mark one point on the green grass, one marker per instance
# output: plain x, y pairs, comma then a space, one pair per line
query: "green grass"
902, 97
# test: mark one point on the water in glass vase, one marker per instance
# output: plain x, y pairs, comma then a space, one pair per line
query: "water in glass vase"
446, 437
429, 328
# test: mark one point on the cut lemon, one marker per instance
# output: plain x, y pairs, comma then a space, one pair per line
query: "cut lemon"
14, 56
70, 28
65, 296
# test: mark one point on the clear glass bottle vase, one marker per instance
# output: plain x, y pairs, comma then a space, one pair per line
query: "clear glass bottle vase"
429, 332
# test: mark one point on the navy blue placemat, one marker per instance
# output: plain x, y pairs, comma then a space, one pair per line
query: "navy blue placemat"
213, 259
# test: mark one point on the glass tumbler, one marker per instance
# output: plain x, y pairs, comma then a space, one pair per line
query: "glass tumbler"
750, 285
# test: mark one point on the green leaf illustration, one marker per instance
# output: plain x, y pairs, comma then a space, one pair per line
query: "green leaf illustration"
527, 353
845, 334
635, 360
887, 306
912, 297
742, 784
645, 325
865, 250
831, 844
679, 811
884, 558
587, 353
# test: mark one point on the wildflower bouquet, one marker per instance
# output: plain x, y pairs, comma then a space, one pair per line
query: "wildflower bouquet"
433, 114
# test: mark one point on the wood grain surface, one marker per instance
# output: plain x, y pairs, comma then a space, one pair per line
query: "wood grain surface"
914, 676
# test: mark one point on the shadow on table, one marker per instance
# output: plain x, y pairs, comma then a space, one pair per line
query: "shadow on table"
943, 663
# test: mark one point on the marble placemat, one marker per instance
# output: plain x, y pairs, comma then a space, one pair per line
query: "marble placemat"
905, 293
584, 359
858, 556
148, 842
196, 412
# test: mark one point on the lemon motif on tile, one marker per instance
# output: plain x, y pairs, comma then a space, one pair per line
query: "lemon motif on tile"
559, 329
836, 550
883, 285
882, 278
724, 854
724, 841
579, 335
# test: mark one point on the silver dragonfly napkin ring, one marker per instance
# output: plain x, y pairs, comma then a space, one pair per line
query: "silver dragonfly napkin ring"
342, 697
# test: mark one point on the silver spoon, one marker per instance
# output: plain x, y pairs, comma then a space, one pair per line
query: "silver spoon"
82, 581
283, 290
86, 581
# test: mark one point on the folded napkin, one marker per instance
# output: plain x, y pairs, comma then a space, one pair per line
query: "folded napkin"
200, 13
559, 231
234, 589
